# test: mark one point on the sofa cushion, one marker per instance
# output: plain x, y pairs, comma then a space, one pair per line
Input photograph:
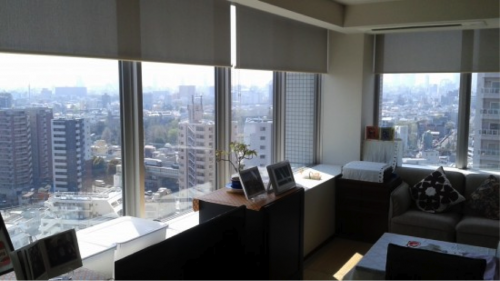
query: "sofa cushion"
422, 224
485, 199
478, 225
445, 221
434, 193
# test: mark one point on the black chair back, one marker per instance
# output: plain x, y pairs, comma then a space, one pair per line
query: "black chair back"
405, 263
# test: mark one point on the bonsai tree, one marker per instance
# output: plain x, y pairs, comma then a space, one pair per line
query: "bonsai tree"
237, 152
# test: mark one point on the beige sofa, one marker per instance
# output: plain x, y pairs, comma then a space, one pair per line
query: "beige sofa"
458, 224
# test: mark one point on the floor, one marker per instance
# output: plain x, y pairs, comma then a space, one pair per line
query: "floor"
335, 259
331, 262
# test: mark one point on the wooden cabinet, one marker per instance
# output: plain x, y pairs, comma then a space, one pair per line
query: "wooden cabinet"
362, 208
274, 236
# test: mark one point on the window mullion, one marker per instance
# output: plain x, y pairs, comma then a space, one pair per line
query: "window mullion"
222, 120
132, 138
279, 101
464, 100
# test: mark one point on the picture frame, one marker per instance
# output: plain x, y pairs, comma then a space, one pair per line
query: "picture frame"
252, 183
281, 177
49, 257
6, 248
386, 133
372, 133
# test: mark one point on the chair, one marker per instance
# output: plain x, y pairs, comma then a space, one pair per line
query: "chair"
405, 263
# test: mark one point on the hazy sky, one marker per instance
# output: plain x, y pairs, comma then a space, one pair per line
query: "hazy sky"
23, 71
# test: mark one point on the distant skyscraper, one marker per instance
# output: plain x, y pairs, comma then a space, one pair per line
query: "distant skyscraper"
105, 100
5, 100
68, 153
487, 122
41, 144
402, 133
16, 172
70, 93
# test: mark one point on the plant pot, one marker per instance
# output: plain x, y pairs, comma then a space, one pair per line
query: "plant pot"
236, 183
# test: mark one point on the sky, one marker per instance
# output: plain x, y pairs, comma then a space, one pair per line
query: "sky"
36, 71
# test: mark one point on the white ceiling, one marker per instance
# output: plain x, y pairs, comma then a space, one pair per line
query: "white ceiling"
385, 16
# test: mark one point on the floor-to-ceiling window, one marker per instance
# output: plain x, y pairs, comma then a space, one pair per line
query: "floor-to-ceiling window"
425, 111
484, 128
179, 136
60, 148
252, 113
62, 152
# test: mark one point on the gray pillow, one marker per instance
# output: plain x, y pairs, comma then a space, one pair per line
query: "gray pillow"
485, 199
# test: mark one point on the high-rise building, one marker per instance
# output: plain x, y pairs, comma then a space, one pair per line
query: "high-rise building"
41, 145
196, 140
16, 172
258, 133
5, 100
68, 153
487, 122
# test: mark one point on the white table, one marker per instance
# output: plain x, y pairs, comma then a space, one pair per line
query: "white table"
372, 265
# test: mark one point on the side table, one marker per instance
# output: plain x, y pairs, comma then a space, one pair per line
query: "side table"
274, 231
362, 208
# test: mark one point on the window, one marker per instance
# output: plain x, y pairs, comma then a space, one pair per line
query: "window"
252, 112
484, 130
426, 113
301, 93
68, 110
178, 102
423, 109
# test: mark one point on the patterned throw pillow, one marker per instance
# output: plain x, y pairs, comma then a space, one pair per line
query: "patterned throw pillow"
434, 194
485, 199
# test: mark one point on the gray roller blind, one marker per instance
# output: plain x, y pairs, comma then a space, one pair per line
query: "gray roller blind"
178, 31
441, 51
419, 52
269, 42
486, 56
186, 31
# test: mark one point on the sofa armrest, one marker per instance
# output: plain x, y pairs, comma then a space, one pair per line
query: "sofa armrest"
400, 200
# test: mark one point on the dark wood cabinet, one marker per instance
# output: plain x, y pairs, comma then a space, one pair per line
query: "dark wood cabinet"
362, 208
274, 236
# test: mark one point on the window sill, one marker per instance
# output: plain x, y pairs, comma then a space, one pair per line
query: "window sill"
327, 173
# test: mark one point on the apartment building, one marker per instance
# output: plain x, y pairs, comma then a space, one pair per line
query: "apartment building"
68, 153
487, 122
41, 145
16, 167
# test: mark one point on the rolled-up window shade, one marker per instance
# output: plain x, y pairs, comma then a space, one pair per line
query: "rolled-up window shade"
269, 42
486, 56
77, 27
419, 52
188, 31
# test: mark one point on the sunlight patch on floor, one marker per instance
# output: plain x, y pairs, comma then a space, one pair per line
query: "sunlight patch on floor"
348, 266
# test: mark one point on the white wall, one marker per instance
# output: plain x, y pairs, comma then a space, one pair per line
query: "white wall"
349, 79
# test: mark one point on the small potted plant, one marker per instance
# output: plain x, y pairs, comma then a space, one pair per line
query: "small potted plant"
238, 151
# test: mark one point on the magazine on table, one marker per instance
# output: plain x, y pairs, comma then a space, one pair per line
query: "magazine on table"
48, 257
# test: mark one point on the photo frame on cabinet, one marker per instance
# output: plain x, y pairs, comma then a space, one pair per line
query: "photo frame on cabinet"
6, 248
371, 133
386, 133
252, 183
281, 177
